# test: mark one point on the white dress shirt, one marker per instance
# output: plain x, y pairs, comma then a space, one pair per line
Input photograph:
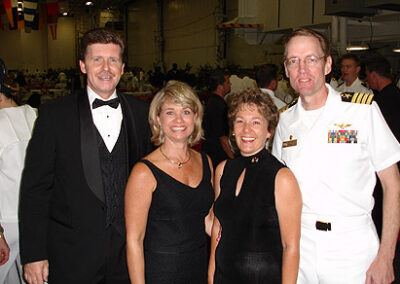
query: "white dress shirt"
107, 120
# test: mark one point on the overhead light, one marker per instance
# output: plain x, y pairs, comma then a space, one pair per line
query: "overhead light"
396, 49
19, 9
65, 13
355, 47
89, 3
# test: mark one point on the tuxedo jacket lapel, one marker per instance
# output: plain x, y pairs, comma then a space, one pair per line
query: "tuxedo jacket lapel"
89, 149
132, 145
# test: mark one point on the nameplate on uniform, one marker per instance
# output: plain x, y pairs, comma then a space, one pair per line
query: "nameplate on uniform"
342, 136
289, 143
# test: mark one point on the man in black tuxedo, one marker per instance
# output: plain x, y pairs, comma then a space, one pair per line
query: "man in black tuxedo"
77, 164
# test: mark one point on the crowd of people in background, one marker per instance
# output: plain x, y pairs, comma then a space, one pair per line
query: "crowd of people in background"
36, 87
225, 176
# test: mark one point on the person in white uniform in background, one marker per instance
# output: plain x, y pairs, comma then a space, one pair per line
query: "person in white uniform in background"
267, 81
16, 123
334, 143
350, 68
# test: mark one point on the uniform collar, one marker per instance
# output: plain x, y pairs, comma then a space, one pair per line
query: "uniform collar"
356, 83
332, 100
267, 91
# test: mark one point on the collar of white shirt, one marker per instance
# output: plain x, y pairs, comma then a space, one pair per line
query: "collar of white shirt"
107, 120
92, 95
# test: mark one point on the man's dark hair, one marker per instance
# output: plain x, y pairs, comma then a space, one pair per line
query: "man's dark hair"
265, 74
100, 35
7, 89
380, 65
351, 56
216, 78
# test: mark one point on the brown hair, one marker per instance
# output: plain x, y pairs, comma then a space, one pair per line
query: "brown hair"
100, 35
323, 41
263, 102
351, 56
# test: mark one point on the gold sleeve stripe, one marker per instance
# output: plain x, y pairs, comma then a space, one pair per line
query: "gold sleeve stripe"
370, 98
358, 98
354, 98
365, 98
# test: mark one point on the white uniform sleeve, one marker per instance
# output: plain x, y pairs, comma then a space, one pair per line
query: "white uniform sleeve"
277, 145
383, 147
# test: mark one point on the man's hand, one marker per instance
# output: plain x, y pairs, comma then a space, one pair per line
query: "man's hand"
4, 250
380, 271
36, 272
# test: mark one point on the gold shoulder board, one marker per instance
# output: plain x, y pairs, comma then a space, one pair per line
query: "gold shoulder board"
289, 105
358, 98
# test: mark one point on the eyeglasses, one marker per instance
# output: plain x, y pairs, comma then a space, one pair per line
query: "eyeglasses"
309, 61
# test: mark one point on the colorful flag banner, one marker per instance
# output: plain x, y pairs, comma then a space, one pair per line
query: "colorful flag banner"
30, 12
52, 7
11, 7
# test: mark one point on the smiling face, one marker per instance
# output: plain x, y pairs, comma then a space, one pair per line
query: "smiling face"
305, 79
103, 67
176, 122
251, 130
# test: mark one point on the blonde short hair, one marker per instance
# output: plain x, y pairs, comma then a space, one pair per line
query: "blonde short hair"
181, 94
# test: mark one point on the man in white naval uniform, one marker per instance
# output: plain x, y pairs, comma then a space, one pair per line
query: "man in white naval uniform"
334, 143
350, 68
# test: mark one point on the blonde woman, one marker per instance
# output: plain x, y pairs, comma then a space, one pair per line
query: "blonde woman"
169, 195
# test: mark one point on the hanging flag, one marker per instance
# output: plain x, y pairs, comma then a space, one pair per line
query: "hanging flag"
20, 23
7, 7
20, 20
14, 11
2, 16
52, 14
53, 30
41, 20
52, 7
30, 12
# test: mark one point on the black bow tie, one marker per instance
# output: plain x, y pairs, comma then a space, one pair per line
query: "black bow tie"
114, 103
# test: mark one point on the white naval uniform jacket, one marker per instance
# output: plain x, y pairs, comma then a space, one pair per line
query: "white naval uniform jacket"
336, 179
356, 86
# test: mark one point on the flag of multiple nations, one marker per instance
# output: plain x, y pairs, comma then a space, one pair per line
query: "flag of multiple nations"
30, 17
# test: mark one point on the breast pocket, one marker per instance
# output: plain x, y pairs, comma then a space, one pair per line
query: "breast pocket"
345, 160
290, 154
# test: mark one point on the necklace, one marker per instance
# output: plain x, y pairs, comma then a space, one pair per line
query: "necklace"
180, 164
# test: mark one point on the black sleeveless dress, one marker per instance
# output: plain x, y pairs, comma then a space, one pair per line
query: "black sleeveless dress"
250, 248
175, 245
